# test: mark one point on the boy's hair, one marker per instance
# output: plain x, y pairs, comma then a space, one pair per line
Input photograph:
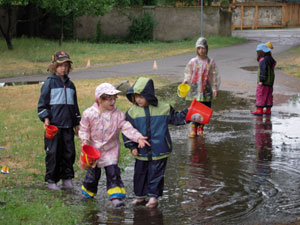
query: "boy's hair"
52, 67
133, 98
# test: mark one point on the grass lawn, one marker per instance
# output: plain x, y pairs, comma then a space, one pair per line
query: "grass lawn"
32, 56
24, 198
289, 62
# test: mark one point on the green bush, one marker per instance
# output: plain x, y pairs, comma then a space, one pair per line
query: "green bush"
136, 2
98, 32
141, 28
143, 2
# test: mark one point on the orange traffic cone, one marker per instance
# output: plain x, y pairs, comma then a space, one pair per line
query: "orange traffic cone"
154, 65
88, 63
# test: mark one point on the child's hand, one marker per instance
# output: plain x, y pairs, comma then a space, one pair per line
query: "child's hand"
46, 123
142, 142
215, 93
134, 152
85, 142
76, 130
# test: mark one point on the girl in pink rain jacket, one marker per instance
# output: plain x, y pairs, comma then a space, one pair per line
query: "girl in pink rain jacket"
100, 127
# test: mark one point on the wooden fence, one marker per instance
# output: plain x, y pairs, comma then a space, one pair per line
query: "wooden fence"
290, 15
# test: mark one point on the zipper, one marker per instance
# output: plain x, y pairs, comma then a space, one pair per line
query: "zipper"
65, 90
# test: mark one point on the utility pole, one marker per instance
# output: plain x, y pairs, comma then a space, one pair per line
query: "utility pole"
201, 22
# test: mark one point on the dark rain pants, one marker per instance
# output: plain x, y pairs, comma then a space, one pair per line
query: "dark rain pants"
60, 156
149, 177
114, 185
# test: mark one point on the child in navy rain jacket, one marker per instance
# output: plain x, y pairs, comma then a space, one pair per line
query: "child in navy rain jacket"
265, 80
58, 106
151, 118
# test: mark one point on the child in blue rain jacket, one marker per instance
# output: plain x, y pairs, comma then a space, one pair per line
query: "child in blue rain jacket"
151, 118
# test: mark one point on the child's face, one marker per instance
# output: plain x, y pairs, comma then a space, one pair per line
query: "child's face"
62, 69
260, 54
201, 52
140, 100
107, 102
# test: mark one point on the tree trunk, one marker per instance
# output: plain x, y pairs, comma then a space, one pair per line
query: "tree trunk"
9, 43
7, 34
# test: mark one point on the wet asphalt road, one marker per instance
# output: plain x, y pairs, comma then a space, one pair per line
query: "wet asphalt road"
230, 61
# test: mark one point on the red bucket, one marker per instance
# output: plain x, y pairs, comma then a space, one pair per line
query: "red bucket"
88, 156
51, 131
198, 113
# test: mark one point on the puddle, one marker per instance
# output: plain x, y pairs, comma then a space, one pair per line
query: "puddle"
20, 83
250, 68
244, 171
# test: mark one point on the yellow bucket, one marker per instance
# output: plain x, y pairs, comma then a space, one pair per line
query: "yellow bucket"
183, 90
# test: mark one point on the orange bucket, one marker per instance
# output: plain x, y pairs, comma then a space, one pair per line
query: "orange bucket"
51, 131
88, 156
198, 113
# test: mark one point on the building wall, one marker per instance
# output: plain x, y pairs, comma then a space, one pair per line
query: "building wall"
171, 23
266, 16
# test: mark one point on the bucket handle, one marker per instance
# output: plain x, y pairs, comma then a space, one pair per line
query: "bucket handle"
87, 161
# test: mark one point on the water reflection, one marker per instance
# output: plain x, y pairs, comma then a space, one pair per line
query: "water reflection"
20, 83
263, 143
199, 156
244, 171
143, 216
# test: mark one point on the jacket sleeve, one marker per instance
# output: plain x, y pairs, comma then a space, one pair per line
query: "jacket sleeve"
215, 78
262, 71
85, 130
77, 112
188, 71
177, 118
44, 109
127, 142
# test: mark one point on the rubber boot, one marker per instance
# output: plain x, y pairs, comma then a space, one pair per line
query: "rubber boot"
201, 130
67, 184
258, 112
53, 186
118, 202
194, 131
267, 111
87, 193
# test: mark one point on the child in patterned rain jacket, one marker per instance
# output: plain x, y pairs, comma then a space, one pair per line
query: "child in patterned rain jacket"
201, 74
100, 127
